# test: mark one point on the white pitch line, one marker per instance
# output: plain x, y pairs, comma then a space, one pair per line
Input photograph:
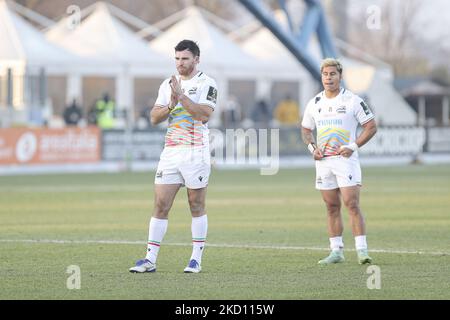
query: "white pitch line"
217, 245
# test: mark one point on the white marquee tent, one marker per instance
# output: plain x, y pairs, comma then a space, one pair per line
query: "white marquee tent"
220, 57
26, 54
101, 45
22, 44
218, 54
112, 49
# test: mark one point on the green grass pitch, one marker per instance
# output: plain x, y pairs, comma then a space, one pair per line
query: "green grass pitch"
266, 234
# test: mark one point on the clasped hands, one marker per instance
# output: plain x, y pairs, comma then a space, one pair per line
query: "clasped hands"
176, 92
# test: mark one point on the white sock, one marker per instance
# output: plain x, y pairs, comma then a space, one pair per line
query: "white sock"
336, 243
156, 231
199, 228
360, 242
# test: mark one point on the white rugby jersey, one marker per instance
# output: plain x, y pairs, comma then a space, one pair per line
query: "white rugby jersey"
336, 120
183, 130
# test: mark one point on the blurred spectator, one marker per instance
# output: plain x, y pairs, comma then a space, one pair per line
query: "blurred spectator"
104, 111
231, 114
144, 115
72, 114
287, 112
261, 114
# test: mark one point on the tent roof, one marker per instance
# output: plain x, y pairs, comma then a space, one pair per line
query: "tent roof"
104, 38
218, 53
388, 105
22, 42
264, 45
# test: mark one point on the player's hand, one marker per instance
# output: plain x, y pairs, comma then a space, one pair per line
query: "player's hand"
173, 101
176, 87
318, 155
345, 151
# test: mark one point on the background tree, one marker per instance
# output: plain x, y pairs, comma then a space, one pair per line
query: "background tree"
396, 40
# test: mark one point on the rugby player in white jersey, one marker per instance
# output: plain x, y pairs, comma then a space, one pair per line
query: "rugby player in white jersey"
336, 113
187, 101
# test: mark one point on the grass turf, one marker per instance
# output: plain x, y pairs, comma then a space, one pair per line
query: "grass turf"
406, 209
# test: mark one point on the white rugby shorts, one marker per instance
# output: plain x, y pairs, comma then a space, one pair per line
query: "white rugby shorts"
190, 167
337, 172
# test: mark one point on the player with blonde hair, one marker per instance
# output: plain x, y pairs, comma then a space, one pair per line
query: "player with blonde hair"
336, 113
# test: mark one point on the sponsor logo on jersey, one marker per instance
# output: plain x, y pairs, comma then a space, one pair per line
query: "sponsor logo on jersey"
341, 109
159, 174
329, 122
212, 95
193, 90
366, 108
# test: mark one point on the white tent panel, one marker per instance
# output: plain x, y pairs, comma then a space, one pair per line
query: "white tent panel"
218, 55
109, 44
376, 85
265, 46
389, 106
113, 50
22, 43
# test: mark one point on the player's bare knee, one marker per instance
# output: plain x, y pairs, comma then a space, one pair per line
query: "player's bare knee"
197, 207
352, 206
196, 203
161, 210
333, 208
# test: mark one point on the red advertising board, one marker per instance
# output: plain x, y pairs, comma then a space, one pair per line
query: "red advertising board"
45, 146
